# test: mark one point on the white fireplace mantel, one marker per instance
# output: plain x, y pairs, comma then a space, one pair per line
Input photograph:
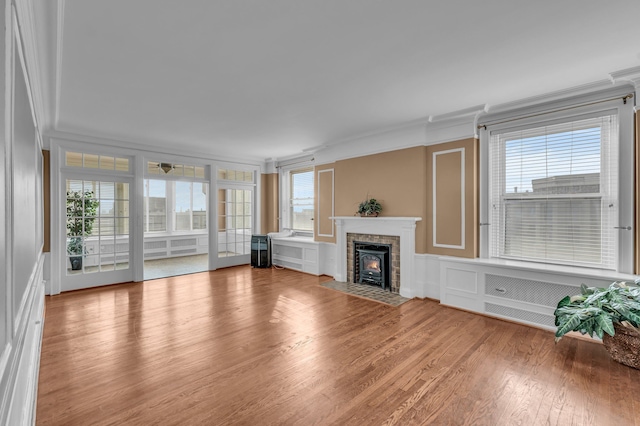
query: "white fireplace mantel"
403, 227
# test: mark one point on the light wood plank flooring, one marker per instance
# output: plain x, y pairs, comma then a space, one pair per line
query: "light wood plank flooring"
261, 346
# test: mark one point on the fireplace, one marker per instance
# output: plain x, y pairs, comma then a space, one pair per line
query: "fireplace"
398, 231
371, 264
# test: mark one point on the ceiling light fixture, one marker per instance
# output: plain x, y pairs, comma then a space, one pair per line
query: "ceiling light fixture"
166, 167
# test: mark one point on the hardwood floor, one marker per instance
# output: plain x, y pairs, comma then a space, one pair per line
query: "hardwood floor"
261, 346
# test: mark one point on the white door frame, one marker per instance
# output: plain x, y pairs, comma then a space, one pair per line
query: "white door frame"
80, 281
224, 262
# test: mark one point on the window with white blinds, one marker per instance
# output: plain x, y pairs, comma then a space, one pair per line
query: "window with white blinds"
554, 190
302, 200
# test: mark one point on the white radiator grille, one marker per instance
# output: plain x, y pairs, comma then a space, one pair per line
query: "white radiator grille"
287, 251
151, 245
184, 243
530, 291
528, 316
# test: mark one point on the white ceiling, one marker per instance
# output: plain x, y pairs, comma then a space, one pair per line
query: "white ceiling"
269, 79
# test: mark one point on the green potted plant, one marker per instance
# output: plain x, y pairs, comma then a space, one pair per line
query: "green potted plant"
82, 209
612, 314
369, 207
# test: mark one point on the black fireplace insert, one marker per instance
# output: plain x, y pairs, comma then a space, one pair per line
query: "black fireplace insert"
371, 264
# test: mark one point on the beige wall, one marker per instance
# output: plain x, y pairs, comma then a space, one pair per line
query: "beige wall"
324, 183
402, 181
269, 203
397, 179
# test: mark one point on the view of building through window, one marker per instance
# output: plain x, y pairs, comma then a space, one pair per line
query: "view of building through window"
553, 193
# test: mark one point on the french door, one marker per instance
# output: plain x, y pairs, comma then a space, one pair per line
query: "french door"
98, 240
234, 224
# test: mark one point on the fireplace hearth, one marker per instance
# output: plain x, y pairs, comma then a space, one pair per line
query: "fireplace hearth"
371, 264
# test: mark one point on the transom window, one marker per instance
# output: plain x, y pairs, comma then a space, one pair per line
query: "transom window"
235, 175
96, 161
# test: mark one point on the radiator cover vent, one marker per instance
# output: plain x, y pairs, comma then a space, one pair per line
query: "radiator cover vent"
530, 291
528, 316
151, 245
288, 251
184, 243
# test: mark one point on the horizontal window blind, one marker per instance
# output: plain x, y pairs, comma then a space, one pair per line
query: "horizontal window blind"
554, 192
302, 199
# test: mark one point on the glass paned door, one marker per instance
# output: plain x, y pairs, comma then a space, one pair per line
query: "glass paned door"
234, 225
97, 243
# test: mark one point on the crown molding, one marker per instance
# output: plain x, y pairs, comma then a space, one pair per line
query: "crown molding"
146, 147
462, 115
577, 95
559, 95
631, 75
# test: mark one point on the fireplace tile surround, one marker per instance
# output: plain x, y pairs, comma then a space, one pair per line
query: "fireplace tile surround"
394, 263
375, 229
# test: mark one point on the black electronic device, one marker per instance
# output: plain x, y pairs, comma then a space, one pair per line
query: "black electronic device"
260, 251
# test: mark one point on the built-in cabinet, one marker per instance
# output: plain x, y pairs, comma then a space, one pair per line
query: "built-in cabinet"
298, 253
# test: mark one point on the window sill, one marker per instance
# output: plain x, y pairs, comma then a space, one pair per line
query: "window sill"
574, 271
295, 238
174, 234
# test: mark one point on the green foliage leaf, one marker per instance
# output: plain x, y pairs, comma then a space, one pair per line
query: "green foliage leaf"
605, 324
633, 317
572, 323
564, 302
595, 296
597, 309
587, 290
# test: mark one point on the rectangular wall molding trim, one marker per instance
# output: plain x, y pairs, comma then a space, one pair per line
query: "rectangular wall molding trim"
445, 201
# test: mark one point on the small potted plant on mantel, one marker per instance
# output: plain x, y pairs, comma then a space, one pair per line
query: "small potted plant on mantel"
369, 207
612, 314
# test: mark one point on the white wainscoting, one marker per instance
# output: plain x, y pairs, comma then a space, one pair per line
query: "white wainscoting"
515, 291
20, 361
509, 290
427, 276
